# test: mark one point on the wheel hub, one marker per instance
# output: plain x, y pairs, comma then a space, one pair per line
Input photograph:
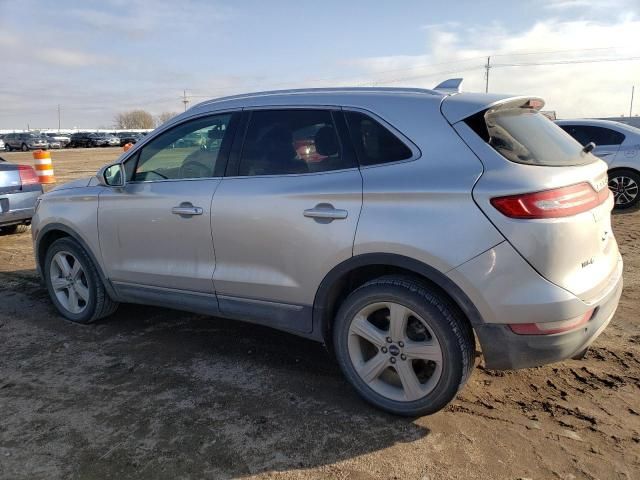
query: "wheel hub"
394, 350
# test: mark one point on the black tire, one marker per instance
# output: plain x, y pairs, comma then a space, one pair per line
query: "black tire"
13, 229
619, 181
444, 318
99, 304
7, 147
24, 147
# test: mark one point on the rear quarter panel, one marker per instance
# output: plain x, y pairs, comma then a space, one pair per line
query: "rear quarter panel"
423, 208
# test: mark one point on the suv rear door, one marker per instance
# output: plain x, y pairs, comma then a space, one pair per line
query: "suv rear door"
285, 214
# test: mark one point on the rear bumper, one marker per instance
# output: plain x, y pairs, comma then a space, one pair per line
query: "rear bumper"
506, 290
18, 207
504, 350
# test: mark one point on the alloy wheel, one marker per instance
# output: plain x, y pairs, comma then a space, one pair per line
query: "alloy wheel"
394, 351
624, 188
69, 282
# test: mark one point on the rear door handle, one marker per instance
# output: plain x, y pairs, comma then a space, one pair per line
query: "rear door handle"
186, 209
325, 211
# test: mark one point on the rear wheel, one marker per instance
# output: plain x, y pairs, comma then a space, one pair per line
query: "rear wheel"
74, 285
24, 147
404, 347
7, 147
625, 185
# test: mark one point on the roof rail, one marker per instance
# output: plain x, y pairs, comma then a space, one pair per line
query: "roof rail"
451, 85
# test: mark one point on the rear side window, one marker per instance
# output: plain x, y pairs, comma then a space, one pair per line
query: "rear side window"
524, 135
598, 135
374, 143
283, 142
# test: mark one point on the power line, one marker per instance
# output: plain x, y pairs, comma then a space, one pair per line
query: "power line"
565, 62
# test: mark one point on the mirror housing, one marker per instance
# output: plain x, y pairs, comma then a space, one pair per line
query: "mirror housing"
111, 175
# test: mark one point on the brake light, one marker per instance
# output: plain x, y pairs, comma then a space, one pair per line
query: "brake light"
27, 175
549, 328
559, 202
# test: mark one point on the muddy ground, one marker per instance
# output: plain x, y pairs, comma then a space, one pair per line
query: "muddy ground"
154, 393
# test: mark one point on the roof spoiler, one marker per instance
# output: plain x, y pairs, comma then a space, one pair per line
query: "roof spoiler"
449, 86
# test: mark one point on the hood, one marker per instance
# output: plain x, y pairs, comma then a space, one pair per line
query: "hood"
79, 183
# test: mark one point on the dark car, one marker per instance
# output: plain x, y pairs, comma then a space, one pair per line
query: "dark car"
25, 142
19, 190
128, 137
89, 139
80, 139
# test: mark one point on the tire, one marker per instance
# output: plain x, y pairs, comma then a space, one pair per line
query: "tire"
431, 322
24, 147
625, 185
93, 301
13, 229
7, 147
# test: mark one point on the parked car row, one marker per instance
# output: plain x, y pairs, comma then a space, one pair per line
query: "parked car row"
37, 141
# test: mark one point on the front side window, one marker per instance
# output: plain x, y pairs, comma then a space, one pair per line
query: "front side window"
374, 143
282, 142
190, 150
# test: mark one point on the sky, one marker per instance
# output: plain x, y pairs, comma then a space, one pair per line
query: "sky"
98, 58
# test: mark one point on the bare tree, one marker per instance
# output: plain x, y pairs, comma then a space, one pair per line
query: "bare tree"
134, 119
164, 117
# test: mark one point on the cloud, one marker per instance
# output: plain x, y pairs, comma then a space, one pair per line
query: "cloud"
589, 89
71, 58
591, 7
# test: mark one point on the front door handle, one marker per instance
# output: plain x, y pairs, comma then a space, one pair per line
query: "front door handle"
326, 212
186, 209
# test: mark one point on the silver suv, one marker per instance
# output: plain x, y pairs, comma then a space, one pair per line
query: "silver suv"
394, 225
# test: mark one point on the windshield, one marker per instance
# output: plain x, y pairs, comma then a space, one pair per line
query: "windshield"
524, 135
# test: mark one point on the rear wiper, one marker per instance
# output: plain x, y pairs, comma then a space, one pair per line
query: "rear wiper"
588, 147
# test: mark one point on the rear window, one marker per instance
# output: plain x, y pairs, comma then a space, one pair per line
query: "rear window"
524, 135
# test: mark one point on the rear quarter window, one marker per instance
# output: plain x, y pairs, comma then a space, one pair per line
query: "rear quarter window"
374, 144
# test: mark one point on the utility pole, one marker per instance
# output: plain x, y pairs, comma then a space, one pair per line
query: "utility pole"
185, 100
486, 75
58, 118
633, 87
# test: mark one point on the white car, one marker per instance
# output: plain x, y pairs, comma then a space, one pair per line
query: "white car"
1, 144
618, 144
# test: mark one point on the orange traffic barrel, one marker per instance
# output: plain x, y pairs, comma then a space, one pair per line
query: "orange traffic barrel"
43, 166
127, 146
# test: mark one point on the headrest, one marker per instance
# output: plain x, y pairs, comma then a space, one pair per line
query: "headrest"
326, 141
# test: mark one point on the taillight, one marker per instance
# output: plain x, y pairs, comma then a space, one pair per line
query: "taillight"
549, 328
27, 175
559, 202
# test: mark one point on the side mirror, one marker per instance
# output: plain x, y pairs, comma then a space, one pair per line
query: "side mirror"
111, 175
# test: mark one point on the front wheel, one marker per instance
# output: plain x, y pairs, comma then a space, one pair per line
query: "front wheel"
24, 147
625, 186
404, 347
73, 282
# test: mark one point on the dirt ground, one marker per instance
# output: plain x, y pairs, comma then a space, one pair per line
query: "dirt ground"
154, 393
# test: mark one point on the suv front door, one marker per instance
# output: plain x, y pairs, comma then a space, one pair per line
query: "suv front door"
285, 214
156, 230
